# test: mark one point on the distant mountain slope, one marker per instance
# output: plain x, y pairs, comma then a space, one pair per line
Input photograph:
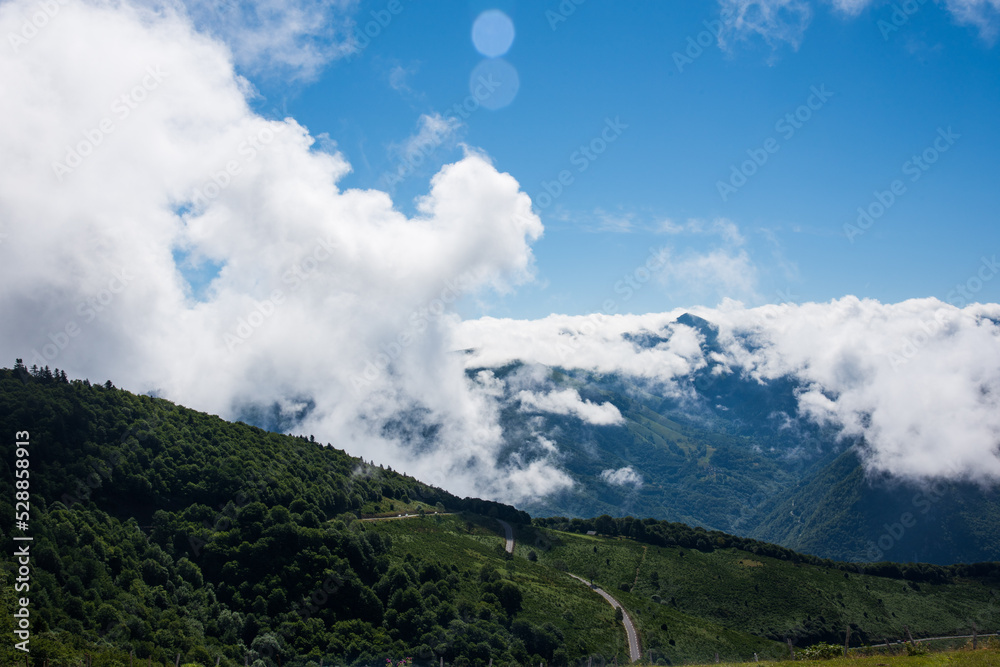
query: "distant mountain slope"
730, 452
839, 513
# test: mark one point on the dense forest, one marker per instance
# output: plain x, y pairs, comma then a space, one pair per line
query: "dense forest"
170, 535
168, 531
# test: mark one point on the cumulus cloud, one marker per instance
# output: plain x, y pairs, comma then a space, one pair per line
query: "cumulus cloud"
626, 476
132, 158
568, 402
916, 383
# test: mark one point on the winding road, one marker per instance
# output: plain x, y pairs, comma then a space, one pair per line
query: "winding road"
510, 535
633, 636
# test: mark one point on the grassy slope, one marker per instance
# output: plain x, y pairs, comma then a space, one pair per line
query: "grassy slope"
756, 596
586, 621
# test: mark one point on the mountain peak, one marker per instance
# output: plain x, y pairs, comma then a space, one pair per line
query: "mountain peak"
703, 326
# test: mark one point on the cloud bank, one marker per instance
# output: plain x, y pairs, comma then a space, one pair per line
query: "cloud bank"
918, 381
568, 402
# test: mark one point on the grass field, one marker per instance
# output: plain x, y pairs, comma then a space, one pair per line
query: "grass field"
986, 657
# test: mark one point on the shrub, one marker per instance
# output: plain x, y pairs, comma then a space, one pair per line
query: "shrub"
820, 652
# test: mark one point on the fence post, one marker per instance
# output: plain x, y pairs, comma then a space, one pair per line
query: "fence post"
888, 649
717, 656
847, 640
975, 636
910, 635
791, 649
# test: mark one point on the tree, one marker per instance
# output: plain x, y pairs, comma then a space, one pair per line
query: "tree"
532, 556
605, 525
619, 616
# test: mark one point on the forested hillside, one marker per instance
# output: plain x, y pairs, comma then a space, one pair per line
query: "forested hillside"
171, 531
169, 534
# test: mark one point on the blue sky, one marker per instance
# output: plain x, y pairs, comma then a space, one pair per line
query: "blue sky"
687, 121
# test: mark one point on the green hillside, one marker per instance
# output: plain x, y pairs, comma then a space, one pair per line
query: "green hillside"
731, 455
841, 513
161, 532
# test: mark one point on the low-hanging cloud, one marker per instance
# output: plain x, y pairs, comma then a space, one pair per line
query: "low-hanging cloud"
626, 476
568, 402
917, 382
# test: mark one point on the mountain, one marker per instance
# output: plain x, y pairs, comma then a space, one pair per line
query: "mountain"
169, 534
729, 451
844, 514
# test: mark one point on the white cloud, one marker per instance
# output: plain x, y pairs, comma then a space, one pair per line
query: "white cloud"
722, 270
568, 402
622, 477
983, 14
432, 131
785, 21
278, 37
591, 342
716, 274
324, 298
919, 381
774, 21
398, 76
